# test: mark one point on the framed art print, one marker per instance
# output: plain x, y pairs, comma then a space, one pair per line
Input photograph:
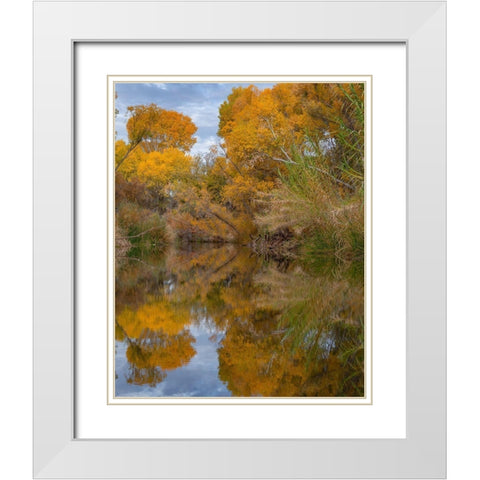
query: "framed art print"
243, 232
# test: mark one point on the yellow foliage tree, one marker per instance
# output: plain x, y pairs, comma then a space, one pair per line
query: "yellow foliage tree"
266, 128
158, 129
161, 168
155, 129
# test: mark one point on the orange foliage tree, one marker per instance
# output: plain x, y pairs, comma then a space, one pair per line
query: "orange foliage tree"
265, 129
154, 129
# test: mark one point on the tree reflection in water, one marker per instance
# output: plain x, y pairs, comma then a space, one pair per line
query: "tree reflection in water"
253, 327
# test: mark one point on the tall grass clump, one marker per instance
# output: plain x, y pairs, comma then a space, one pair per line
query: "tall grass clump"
325, 212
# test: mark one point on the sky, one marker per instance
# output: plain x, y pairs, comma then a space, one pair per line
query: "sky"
200, 101
197, 378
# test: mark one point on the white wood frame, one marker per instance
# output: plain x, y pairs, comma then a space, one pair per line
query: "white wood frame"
57, 27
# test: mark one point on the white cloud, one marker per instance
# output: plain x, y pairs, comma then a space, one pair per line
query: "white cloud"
161, 86
202, 114
203, 144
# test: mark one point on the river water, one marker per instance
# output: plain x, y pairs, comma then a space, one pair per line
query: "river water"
219, 321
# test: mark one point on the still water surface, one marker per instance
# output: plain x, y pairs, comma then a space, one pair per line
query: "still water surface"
219, 321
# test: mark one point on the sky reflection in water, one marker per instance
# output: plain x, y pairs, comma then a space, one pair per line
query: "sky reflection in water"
217, 321
199, 378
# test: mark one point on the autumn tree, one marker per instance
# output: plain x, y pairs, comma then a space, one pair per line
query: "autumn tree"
268, 128
155, 129
158, 168
155, 156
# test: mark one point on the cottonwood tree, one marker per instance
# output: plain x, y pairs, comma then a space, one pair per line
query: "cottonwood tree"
155, 129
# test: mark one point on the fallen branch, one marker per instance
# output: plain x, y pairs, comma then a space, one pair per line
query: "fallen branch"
139, 234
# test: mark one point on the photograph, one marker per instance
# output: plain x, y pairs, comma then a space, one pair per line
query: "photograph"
239, 233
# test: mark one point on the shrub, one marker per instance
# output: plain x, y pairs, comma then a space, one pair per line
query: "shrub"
144, 229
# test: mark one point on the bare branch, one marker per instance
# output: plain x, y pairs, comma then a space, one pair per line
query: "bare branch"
140, 234
129, 151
